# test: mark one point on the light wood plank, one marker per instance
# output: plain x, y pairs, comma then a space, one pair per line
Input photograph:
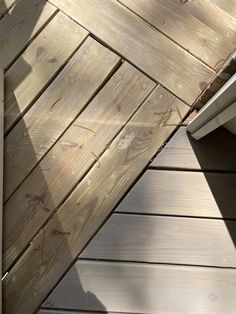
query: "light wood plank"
66, 97
145, 47
192, 241
1, 170
177, 22
5, 5
39, 64
84, 211
17, 29
211, 15
67, 162
182, 193
216, 151
141, 288
229, 6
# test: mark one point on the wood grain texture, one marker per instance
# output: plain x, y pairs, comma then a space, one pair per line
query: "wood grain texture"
211, 15
38, 65
228, 6
174, 240
143, 46
84, 211
64, 99
216, 151
182, 193
177, 22
71, 157
26, 18
1, 170
140, 288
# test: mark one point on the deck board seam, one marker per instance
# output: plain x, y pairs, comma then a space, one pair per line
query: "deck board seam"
152, 167
170, 38
45, 87
120, 212
99, 40
31, 40
135, 262
77, 183
86, 105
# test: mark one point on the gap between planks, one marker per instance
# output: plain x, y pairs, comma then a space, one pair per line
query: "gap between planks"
75, 99
145, 133
59, 162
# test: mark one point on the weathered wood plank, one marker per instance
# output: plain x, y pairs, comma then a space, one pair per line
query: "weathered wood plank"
176, 21
145, 47
17, 29
71, 157
66, 97
182, 193
38, 65
67, 232
211, 15
229, 6
142, 288
192, 241
1, 170
216, 151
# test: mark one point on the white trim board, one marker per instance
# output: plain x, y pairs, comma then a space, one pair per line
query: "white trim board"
208, 115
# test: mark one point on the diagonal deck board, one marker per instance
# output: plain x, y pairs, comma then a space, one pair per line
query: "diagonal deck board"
66, 97
214, 152
67, 162
229, 6
34, 69
173, 240
26, 18
196, 194
140, 44
83, 212
177, 22
142, 288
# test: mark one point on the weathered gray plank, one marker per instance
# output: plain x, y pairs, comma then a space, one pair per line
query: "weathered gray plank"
65, 98
145, 47
142, 288
17, 29
80, 216
38, 64
71, 157
182, 193
216, 151
192, 241
177, 22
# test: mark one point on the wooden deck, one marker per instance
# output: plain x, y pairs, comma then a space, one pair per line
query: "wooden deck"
94, 89
169, 246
